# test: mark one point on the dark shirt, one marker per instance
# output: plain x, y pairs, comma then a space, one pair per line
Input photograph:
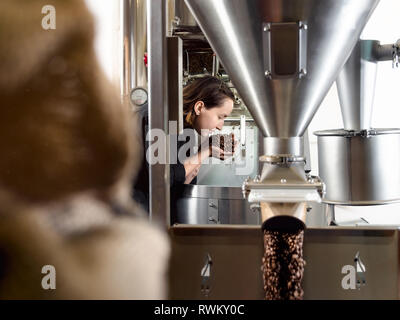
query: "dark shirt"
140, 187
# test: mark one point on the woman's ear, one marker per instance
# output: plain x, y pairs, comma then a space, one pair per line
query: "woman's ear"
198, 107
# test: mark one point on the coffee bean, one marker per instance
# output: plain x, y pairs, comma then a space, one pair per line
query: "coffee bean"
283, 265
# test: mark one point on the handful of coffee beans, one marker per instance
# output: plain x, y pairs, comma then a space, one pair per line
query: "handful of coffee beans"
225, 142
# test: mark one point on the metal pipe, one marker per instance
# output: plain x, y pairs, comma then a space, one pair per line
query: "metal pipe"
134, 73
215, 66
127, 52
284, 146
283, 216
387, 52
356, 82
158, 107
140, 42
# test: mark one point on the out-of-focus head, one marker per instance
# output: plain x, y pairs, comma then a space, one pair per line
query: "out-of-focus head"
62, 128
206, 104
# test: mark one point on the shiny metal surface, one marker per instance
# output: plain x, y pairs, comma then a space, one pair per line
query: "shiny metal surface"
362, 133
283, 180
283, 216
127, 63
356, 82
159, 190
236, 252
282, 107
212, 192
199, 204
284, 146
306, 152
360, 170
183, 15
134, 73
215, 66
356, 87
175, 80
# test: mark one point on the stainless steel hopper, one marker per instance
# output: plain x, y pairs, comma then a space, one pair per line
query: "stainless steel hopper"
282, 56
361, 152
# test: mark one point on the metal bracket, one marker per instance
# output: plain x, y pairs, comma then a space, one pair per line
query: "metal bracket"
285, 49
213, 211
396, 54
360, 269
205, 275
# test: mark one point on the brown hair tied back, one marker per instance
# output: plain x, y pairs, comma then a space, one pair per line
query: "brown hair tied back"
211, 90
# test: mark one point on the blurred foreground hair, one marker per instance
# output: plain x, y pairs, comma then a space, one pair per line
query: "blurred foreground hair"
62, 128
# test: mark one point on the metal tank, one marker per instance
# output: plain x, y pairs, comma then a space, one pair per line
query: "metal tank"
360, 168
205, 204
134, 73
354, 161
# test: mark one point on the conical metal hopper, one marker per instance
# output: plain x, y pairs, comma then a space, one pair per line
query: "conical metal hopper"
282, 56
356, 81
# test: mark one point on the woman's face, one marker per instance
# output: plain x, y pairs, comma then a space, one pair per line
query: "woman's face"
208, 120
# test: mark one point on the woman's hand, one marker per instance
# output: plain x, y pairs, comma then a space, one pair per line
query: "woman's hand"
191, 175
192, 164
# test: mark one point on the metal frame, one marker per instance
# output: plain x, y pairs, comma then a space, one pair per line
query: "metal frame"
158, 106
134, 44
175, 80
300, 46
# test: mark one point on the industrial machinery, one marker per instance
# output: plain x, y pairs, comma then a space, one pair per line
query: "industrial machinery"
281, 75
360, 151
280, 57
217, 196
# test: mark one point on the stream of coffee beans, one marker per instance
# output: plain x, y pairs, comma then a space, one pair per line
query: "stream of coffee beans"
283, 265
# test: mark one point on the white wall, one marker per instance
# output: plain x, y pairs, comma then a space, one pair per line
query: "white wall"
384, 25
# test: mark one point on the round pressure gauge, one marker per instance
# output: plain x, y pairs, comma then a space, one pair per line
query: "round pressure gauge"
139, 96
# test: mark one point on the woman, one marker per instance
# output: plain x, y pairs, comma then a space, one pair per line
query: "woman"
206, 103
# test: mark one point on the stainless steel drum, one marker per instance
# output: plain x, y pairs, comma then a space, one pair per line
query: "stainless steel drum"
202, 204
360, 168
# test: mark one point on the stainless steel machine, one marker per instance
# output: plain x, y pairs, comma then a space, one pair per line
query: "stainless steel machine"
353, 162
276, 61
221, 177
217, 197
281, 57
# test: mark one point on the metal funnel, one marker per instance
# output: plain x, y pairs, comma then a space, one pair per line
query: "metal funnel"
283, 216
282, 56
356, 81
356, 87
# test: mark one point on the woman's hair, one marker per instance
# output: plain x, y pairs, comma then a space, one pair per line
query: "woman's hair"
211, 90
